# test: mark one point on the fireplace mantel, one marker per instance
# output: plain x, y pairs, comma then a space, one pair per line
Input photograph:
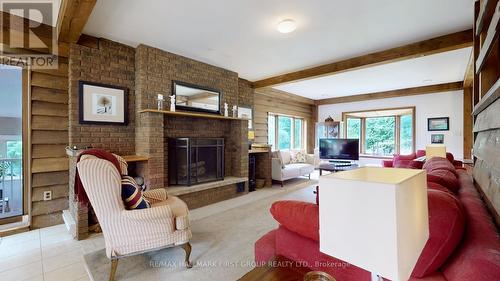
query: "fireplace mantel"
191, 114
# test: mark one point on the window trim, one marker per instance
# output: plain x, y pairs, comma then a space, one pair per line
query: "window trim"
275, 146
397, 133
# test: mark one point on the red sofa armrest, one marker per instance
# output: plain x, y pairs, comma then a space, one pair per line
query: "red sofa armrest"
387, 163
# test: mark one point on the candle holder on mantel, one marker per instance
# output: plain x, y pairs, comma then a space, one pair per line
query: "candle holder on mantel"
159, 101
172, 103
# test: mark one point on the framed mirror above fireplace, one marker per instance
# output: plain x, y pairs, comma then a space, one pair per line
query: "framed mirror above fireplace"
196, 98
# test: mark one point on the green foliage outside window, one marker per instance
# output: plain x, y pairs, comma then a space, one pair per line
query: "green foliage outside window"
353, 128
297, 134
284, 133
406, 134
380, 135
14, 153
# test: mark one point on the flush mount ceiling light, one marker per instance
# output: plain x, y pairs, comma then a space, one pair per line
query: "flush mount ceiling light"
287, 26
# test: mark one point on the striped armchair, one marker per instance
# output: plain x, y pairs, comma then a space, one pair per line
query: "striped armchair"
131, 232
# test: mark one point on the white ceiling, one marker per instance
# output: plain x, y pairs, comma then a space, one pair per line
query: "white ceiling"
241, 35
429, 70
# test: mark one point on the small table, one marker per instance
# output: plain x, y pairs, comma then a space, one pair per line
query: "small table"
335, 167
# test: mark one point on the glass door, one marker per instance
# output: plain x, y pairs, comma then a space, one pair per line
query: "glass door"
11, 142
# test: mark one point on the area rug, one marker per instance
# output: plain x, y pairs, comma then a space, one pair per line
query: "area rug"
223, 243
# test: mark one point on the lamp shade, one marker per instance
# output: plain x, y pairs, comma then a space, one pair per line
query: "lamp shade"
435, 150
251, 135
375, 218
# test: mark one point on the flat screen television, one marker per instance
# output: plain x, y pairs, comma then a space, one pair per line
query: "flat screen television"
343, 149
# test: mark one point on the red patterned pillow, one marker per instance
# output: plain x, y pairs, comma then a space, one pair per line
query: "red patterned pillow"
446, 227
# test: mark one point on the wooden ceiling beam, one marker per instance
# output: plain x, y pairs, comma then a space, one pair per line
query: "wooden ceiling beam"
439, 88
279, 94
469, 73
432, 46
73, 16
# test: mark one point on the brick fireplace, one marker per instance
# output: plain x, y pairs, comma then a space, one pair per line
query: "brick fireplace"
150, 72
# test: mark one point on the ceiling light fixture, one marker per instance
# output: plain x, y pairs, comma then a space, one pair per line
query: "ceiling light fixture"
287, 26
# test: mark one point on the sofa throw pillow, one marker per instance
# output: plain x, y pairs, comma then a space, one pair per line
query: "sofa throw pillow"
299, 217
277, 155
446, 227
132, 194
298, 157
403, 161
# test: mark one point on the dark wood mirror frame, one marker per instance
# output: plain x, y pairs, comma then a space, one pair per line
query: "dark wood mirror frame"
196, 109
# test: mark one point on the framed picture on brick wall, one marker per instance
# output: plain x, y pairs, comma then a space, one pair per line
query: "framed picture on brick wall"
102, 104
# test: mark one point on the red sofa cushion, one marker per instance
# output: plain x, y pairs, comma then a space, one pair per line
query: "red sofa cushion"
296, 247
387, 163
265, 247
437, 186
409, 165
446, 227
444, 178
438, 163
478, 257
403, 161
297, 216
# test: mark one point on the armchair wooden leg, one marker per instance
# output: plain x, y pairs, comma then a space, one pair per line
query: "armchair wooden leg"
187, 249
114, 265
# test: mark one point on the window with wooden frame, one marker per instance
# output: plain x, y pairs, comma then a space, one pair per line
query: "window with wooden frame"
286, 132
14, 158
382, 132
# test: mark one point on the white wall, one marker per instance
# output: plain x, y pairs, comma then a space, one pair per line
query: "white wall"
448, 104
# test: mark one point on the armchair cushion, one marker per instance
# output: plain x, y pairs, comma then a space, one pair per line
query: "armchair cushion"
132, 194
155, 195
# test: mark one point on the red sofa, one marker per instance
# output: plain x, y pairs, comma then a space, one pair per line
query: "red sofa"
463, 245
408, 161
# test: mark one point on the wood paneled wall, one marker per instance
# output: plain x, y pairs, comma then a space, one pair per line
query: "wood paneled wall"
272, 101
487, 153
49, 137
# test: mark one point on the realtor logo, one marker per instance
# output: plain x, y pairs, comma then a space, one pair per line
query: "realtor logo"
27, 35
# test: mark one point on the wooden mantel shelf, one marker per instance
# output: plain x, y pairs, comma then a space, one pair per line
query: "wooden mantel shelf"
134, 158
191, 114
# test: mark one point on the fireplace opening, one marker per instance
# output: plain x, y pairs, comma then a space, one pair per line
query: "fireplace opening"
195, 160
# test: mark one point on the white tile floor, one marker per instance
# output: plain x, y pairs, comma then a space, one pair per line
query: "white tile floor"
51, 254
45, 254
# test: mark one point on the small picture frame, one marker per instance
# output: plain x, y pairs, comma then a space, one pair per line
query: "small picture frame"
102, 104
247, 113
437, 138
438, 124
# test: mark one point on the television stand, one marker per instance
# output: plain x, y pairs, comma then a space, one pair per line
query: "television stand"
336, 167
340, 161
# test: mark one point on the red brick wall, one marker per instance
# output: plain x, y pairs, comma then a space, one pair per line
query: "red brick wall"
155, 71
111, 63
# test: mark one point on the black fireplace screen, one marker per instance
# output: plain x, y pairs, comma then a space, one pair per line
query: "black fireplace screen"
195, 160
